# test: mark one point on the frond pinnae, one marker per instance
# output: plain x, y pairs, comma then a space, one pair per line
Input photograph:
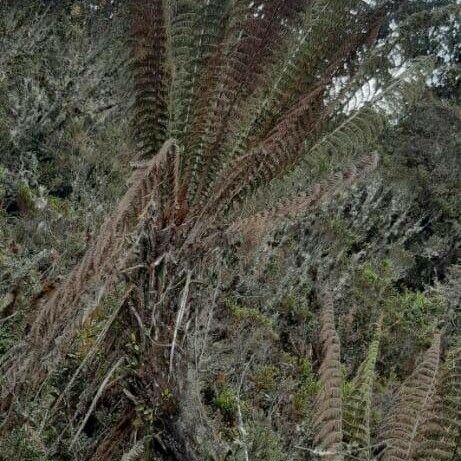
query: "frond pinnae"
293, 207
151, 71
357, 407
327, 421
413, 401
439, 437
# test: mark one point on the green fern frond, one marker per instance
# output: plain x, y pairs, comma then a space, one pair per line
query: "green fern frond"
262, 33
285, 145
195, 31
363, 125
404, 423
292, 207
357, 407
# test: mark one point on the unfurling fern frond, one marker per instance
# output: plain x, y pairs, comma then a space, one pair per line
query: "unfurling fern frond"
327, 422
413, 402
357, 407
440, 435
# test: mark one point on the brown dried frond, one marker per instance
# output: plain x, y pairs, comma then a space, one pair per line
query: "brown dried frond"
439, 438
327, 421
411, 407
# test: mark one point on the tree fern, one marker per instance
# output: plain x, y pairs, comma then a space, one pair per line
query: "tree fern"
239, 94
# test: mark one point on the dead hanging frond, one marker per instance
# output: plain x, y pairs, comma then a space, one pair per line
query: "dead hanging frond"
357, 406
151, 70
413, 402
151, 196
327, 420
253, 227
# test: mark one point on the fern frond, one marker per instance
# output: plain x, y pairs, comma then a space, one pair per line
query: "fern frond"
151, 72
412, 404
327, 421
280, 151
293, 207
262, 34
195, 33
357, 407
440, 435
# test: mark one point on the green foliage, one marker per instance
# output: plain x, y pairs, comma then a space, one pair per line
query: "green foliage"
265, 378
414, 313
265, 444
226, 402
22, 445
251, 315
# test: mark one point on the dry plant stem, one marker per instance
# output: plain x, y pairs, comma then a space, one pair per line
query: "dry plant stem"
85, 360
179, 317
